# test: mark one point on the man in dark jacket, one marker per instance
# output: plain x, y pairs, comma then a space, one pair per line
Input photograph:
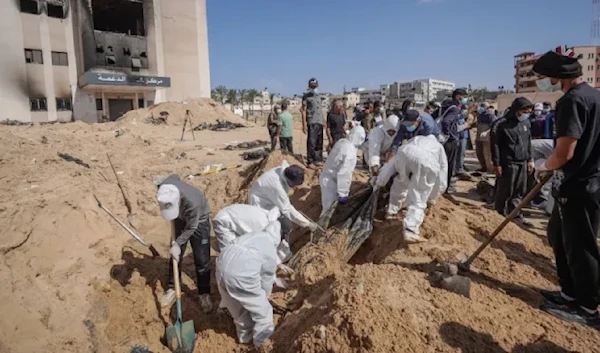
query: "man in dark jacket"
187, 208
448, 117
482, 140
512, 156
414, 124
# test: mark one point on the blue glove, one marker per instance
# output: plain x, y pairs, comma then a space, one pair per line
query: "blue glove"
343, 199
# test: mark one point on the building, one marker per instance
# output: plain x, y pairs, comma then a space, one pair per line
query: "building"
349, 99
416, 91
371, 95
525, 78
82, 60
434, 86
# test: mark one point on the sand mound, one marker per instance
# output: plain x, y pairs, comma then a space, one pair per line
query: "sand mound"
74, 281
204, 110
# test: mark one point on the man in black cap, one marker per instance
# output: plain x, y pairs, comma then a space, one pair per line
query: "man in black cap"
412, 125
575, 161
312, 119
512, 157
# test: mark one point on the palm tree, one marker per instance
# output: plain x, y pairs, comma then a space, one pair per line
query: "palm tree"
243, 96
272, 99
232, 98
220, 94
252, 94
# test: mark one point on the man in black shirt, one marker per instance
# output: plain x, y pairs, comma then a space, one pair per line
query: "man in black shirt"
512, 157
336, 123
575, 160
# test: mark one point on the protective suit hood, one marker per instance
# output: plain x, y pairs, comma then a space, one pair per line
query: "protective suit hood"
391, 123
357, 136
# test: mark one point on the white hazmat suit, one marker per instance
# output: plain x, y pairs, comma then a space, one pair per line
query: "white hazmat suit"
236, 220
380, 142
336, 177
422, 169
245, 275
270, 191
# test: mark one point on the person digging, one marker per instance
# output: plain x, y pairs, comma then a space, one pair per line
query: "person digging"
188, 210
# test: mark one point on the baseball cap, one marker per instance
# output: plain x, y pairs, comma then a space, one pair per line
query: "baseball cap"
313, 81
410, 117
538, 106
294, 175
168, 201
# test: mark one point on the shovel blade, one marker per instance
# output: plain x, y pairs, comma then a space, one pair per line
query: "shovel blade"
457, 284
181, 337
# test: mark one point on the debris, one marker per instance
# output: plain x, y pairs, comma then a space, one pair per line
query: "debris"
119, 132
14, 122
44, 140
246, 145
70, 158
254, 155
221, 125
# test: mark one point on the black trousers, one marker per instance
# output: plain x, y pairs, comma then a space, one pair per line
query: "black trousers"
511, 187
286, 144
452, 149
314, 143
272, 134
200, 242
572, 231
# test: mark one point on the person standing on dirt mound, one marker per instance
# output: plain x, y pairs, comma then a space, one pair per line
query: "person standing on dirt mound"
245, 276
336, 177
271, 190
273, 125
421, 168
187, 209
575, 160
312, 119
512, 157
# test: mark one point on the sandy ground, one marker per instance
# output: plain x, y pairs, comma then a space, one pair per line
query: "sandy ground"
74, 281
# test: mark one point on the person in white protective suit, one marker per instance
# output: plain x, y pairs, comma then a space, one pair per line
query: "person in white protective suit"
245, 276
422, 169
380, 142
236, 220
271, 190
336, 177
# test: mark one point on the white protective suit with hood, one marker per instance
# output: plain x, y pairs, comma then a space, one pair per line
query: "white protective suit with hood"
380, 142
236, 220
245, 275
422, 169
336, 177
271, 190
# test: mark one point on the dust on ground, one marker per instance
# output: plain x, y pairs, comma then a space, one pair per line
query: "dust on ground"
74, 281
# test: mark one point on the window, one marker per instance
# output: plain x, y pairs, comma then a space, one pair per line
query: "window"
56, 11
590, 55
59, 59
110, 60
38, 104
141, 103
99, 104
63, 104
136, 64
598, 79
29, 6
33, 56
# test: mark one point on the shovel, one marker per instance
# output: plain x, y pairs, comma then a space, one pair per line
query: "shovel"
131, 217
181, 335
450, 280
135, 236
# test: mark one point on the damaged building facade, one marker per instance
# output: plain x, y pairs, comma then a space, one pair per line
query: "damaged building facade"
93, 60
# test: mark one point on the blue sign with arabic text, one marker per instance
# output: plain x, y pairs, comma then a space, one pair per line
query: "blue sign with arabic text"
119, 79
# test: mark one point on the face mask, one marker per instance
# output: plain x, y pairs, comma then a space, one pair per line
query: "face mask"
411, 128
523, 117
490, 111
546, 110
464, 101
480, 110
537, 112
278, 111
464, 112
547, 86
381, 110
314, 90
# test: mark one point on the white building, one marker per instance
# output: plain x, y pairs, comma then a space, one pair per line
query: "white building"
82, 60
434, 86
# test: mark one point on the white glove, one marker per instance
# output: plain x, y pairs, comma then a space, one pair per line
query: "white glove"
175, 251
540, 167
280, 283
313, 226
286, 269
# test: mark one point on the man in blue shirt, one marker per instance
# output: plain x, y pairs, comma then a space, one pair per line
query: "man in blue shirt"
414, 124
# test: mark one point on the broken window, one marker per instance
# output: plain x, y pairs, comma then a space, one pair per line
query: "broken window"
55, 9
110, 60
60, 59
63, 104
33, 56
120, 16
136, 64
99, 104
29, 6
38, 104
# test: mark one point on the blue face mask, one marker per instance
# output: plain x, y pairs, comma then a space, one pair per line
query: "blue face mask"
546, 85
480, 110
464, 101
411, 128
523, 117
464, 112
545, 110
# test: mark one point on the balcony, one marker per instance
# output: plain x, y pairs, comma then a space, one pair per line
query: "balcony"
526, 68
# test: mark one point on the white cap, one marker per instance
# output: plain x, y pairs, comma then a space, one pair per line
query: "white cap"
538, 106
168, 201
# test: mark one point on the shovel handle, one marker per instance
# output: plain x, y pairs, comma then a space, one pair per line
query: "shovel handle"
508, 219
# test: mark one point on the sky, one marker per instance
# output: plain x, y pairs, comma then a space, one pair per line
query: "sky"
281, 44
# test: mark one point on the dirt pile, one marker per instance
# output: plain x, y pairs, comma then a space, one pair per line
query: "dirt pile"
204, 110
74, 281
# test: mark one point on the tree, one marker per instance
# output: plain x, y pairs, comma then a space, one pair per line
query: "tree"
243, 96
220, 94
232, 98
251, 95
271, 99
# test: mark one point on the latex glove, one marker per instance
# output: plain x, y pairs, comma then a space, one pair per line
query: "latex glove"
313, 226
286, 269
280, 283
175, 251
343, 200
